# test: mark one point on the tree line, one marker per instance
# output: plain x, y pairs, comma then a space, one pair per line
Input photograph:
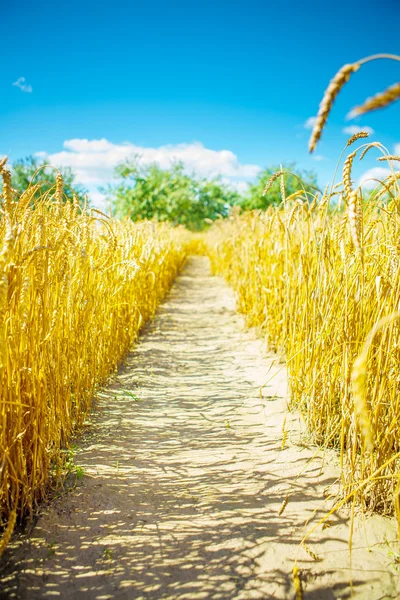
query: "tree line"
147, 191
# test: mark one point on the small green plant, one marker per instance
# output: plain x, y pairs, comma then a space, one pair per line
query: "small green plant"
70, 465
51, 548
107, 554
394, 557
126, 393
79, 472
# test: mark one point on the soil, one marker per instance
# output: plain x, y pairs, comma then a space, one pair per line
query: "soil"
184, 477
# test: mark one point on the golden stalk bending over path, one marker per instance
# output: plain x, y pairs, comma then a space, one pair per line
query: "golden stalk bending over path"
190, 487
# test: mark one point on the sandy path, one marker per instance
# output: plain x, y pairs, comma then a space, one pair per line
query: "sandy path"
184, 478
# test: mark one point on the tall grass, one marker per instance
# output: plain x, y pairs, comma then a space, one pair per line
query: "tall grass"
320, 277
75, 288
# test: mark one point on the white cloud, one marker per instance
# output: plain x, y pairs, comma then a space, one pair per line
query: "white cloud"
241, 186
353, 129
93, 161
22, 85
93, 146
98, 200
369, 179
397, 148
309, 124
238, 186
318, 157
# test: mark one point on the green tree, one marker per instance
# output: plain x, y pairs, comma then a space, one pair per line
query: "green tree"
171, 195
295, 180
24, 172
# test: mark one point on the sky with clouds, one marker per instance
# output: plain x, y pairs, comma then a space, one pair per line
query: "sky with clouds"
226, 87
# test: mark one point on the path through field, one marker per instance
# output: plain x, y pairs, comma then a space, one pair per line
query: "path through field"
184, 477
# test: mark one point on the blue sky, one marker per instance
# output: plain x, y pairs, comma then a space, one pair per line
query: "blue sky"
189, 79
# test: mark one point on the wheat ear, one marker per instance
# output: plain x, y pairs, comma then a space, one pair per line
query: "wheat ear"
357, 136
388, 96
389, 157
271, 181
355, 219
347, 174
283, 505
8, 192
336, 84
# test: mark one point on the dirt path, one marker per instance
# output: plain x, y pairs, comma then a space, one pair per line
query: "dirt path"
184, 477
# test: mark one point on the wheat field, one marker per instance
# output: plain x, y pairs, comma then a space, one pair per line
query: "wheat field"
320, 278
75, 289
317, 275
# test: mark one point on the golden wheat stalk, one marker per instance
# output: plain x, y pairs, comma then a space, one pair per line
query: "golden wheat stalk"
389, 157
387, 184
357, 136
271, 181
368, 147
359, 380
348, 163
355, 219
297, 583
283, 505
284, 434
341, 237
335, 85
3, 162
381, 100
397, 505
313, 555
359, 376
282, 186
59, 189
8, 531
8, 193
